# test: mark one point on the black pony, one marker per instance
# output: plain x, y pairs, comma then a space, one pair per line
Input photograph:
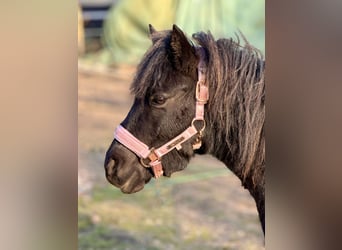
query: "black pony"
164, 106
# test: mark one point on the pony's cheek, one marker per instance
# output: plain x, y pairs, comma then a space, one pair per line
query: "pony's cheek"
170, 167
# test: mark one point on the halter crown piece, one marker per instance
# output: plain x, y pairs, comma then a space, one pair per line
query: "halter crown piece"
151, 157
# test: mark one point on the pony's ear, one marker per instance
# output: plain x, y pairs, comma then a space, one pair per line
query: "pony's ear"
151, 29
182, 54
154, 34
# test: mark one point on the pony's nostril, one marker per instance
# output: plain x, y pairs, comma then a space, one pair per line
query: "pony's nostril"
109, 165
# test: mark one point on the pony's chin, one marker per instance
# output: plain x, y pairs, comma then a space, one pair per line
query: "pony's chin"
131, 189
129, 186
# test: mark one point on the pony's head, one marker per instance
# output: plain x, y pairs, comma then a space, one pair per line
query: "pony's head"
164, 106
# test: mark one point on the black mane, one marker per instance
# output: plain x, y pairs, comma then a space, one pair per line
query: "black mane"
236, 79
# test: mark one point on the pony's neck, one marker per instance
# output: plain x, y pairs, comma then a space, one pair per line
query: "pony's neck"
215, 145
253, 182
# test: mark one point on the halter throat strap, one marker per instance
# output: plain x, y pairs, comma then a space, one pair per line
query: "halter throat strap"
151, 157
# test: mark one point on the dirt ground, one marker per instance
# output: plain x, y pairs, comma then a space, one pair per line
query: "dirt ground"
202, 207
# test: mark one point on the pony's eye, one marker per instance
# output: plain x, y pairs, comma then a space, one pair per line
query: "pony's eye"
158, 100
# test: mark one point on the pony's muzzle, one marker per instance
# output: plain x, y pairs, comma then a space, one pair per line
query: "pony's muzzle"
123, 169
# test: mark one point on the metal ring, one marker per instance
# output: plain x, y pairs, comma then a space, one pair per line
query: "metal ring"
143, 163
193, 124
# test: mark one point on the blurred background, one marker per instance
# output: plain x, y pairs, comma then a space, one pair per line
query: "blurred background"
202, 207
38, 190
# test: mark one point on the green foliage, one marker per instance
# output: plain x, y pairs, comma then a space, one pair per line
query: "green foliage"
126, 27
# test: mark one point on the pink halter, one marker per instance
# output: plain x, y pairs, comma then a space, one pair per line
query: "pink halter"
154, 155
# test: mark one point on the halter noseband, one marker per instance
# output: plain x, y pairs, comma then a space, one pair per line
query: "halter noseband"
153, 156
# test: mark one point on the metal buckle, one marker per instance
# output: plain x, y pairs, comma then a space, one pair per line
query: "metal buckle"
200, 84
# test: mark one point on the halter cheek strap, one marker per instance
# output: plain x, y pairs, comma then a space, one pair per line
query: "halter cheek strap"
153, 156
